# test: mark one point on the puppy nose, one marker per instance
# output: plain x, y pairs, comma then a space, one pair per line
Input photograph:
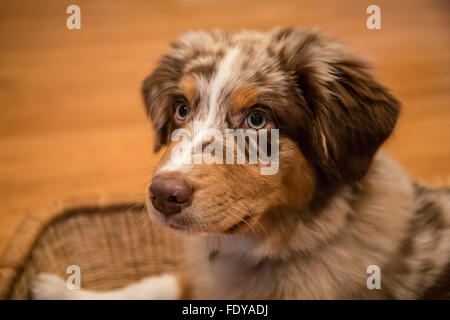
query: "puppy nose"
170, 194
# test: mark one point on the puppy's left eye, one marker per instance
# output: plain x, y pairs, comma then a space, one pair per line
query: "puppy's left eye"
256, 120
181, 111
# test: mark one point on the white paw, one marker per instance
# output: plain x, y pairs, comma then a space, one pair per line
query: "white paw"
50, 287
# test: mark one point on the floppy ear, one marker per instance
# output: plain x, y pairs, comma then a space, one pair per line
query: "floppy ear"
349, 114
157, 90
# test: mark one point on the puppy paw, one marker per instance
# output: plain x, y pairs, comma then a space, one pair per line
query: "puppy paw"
49, 287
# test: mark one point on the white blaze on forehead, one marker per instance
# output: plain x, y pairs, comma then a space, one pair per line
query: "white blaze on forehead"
191, 140
225, 72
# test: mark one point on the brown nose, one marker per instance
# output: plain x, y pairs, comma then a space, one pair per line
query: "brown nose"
170, 194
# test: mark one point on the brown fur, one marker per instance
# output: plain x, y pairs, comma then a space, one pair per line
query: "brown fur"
243, 97
336, 205
188, 88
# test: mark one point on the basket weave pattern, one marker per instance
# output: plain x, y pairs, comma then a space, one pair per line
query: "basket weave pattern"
113, 244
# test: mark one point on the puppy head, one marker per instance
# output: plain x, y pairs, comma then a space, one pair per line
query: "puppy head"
330, 114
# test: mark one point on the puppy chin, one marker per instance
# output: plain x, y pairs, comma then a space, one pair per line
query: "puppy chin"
178, 222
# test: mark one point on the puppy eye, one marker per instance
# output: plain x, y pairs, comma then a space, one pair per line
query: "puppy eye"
256, 120
181, 111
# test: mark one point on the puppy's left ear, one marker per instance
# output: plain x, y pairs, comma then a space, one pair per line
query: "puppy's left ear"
349, 114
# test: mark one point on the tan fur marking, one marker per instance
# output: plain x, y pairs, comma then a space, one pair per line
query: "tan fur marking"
244, 97
188, 87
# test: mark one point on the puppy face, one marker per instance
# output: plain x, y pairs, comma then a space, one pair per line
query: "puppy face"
330, 114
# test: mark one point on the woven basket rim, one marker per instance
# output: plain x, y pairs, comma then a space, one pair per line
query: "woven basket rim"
26, 235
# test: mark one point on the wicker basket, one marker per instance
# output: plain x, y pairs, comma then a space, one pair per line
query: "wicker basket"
112, 241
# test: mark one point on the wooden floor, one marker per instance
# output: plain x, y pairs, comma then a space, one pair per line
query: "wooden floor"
71, 118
